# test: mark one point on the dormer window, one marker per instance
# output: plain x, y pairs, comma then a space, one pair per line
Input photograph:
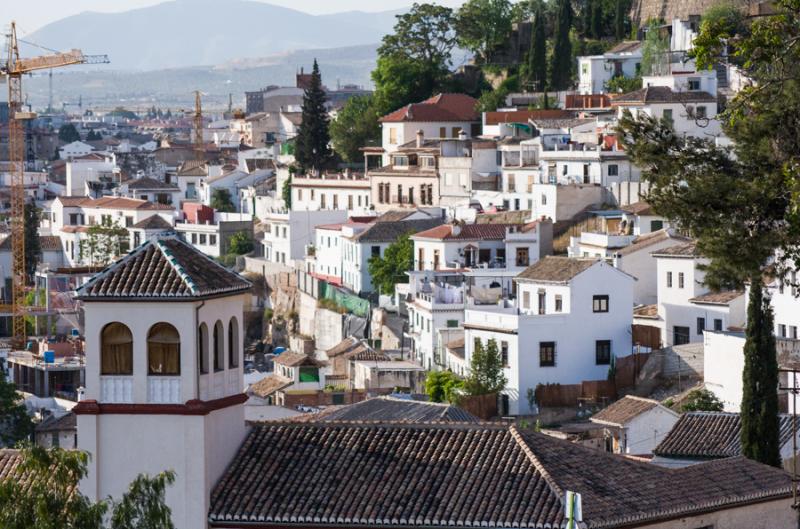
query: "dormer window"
400, 161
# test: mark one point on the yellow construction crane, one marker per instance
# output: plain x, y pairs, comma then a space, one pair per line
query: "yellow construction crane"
13, 70
199, 145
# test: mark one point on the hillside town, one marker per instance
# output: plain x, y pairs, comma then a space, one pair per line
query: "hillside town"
553, 287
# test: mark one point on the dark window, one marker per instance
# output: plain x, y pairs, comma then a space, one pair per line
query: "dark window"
718, 325
547, 354
452, 324
504, 353
680, 335
656, 225
484, 255
202, 351
163, 350
233, 343
376, 251
680, 280
602, 352
701, 325
219, 347
600, 303
559, 303
542, 303
669, 279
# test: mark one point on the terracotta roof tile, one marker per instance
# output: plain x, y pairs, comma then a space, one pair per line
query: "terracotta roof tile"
646, 311
467, 232
638, 208
269, 385
401, 411
556, 269
163, 268
153, 222
292, 359
470, 475
685, 250
68, 421
522, 116
382, 231
111, 203
622, 411
717, 298
441, 107
151, 183
661, 94
708, 434
649, 239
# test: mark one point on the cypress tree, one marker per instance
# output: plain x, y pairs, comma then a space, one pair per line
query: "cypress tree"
597, 20
759, 412
561, 68
588, 11
619, 20
537, 56
311, 145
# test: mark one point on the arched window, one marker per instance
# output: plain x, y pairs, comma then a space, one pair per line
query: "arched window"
116, 350
219, 347
163, 350
202, 348
233, 343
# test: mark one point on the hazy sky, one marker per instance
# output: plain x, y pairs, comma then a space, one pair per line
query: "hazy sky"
32, 14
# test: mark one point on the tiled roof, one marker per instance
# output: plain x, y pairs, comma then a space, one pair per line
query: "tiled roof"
67, 421
646, 311
687, 249
626, 46
562, 123
292, 359
522, 116
472, 232
111, 203
556, 269
708, 434
469, 475
164, 268
441, 107
151, 183
9, 463
400, 410
193, 168
649, 239
269, 385
153, 222
625, 409
389, 231
49, 243
638, 208
662, 94
717, 298
355, 349
504, 217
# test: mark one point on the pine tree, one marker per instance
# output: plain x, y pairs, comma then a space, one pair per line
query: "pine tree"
537, 56
311, 145
561, 67
759, 412
597, 20
619, 20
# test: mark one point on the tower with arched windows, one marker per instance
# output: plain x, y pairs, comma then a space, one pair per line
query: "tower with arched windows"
164, 375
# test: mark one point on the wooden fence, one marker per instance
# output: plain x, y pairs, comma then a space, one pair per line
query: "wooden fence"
481, 406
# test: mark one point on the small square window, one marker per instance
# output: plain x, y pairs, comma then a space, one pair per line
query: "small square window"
718, 325
559, 303
547, 354
600, 303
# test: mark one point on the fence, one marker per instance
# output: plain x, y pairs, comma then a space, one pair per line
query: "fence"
627, 369
567, 395
481, 406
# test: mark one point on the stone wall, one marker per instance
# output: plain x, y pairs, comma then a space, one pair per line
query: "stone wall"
667, 10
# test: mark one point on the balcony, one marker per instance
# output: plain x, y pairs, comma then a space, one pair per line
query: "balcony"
605, 240
116, 389
164, 390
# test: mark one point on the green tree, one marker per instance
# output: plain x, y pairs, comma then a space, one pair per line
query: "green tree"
48, 497
222, 201
241, 243
485, 370
68, 133
655, 51
104, 242
355, 126
759, 410
586, 17
15, 424
93, 136
537, 55
33, 246
286, 193
561, 62
441, 386
143, 506
414, 60
311, 144
389, 270
482, 26
622, 85
701, 400
597, 19
620, 19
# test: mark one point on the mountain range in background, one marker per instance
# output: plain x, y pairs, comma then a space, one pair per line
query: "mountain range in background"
160, 54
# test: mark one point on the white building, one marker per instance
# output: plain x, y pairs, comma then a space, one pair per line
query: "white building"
325, 260
74, 150
569, 318
214, 238
233, 182
288, 233
441, 116
89, 170
360, 246
348, 191
152, 190
686, 308
595, 71
691, 112
163, 375
636, 425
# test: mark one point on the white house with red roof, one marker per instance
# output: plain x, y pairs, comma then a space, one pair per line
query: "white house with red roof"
441, 116
324, 259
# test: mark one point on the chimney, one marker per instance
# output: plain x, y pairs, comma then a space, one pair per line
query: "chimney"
462, 136
420, 138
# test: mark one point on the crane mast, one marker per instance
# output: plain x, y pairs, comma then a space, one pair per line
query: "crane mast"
14, 68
